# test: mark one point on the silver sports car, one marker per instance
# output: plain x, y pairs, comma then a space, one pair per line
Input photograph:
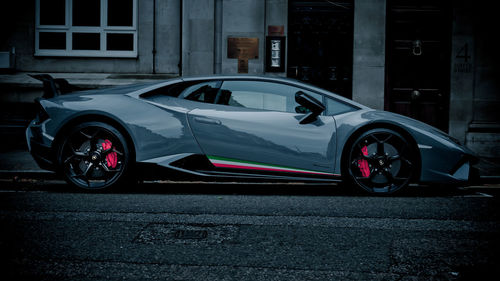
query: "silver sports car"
237, 127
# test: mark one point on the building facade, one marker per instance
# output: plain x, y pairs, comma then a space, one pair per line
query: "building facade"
430, 60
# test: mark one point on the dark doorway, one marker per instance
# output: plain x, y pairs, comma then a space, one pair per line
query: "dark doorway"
320, 43
418, 60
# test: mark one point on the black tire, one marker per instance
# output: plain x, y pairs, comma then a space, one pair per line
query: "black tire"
380, 161
94, 156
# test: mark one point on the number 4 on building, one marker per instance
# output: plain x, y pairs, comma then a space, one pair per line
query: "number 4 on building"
463, 53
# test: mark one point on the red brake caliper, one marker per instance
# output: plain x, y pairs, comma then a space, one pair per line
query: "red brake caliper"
363, 164
111, 158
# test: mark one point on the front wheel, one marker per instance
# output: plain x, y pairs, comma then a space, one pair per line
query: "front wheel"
380, 161
94, 156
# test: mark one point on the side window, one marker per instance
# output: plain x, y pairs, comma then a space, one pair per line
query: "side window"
198, 91
202, 92
334, 107
262, 95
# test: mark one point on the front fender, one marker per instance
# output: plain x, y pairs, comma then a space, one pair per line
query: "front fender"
443, 160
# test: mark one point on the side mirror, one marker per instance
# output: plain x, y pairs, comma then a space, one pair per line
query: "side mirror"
314, 106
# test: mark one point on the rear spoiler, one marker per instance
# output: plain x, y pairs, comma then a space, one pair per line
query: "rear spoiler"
54, 87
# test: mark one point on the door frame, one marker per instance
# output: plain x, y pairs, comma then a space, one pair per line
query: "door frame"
446, 85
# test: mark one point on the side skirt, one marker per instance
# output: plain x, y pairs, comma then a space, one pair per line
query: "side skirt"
201, 167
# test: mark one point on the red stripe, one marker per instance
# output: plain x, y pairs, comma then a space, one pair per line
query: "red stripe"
259, 168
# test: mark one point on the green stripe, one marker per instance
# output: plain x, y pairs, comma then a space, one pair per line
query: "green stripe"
257, 163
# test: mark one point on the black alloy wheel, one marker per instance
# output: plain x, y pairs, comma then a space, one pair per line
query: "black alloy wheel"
94, 155
381, 161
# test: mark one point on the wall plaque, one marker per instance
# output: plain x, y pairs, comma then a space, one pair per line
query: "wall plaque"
242, 66
243, 49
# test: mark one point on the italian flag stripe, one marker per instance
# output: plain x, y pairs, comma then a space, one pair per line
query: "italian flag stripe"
222, 162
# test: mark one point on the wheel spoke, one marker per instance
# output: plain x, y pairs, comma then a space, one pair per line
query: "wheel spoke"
374, 138
85, 135
394, 158
388, 138
112, 149
117, 152
71, 170
407, 161
96, 132
69, 158
76, 153
369, 158
388, 175
87, 170
79, 153
73, 174
93, 138
108, 169
393, 178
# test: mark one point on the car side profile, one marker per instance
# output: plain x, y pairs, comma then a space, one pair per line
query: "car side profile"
239, 127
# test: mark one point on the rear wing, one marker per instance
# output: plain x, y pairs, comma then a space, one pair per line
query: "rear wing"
54, 87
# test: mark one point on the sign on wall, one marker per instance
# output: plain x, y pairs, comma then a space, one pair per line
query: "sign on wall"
275, 53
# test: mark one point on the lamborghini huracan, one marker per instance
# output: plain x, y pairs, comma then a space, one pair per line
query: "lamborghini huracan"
244, 128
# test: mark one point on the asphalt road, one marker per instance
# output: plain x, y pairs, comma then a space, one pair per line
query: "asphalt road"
247, 232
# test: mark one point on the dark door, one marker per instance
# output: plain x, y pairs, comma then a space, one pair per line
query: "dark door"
418, 60
320, 43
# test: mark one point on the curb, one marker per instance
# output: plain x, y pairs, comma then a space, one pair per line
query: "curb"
28, 174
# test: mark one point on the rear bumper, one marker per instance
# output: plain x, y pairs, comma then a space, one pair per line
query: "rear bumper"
40, 150
43, 155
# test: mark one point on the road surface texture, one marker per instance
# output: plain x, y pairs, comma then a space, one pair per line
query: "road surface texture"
166, 231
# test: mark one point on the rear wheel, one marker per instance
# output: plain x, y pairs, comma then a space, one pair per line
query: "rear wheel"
94, 156
380, 161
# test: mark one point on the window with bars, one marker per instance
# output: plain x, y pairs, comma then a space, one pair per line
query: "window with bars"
86, 28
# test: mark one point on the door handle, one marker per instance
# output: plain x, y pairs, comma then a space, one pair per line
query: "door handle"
209, 121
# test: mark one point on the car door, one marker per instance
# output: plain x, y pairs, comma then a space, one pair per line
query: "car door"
254, 125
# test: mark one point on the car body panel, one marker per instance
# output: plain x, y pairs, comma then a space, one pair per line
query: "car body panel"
267, 137
152, 137
166, 129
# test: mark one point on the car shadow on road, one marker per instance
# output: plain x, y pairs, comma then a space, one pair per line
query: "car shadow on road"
238, 188
294, 189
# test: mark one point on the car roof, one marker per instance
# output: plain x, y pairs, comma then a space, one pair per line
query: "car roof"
247, 77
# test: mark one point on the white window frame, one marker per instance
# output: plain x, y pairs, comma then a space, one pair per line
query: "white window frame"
69, 29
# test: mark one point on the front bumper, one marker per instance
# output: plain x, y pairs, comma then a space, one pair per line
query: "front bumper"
461, 173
